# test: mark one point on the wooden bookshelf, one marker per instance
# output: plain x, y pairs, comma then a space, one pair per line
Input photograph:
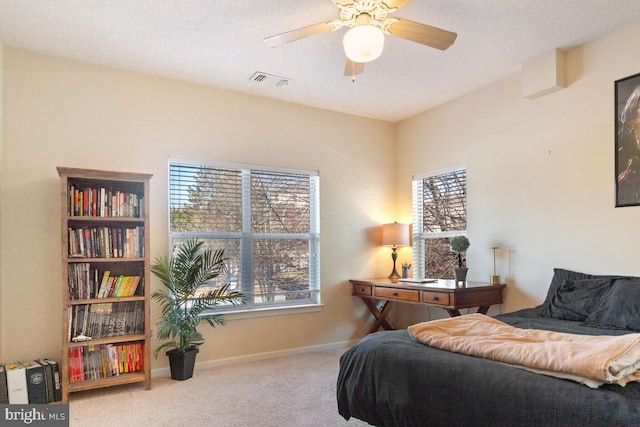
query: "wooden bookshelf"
105, 279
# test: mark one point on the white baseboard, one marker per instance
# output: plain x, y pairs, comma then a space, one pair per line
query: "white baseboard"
164, 372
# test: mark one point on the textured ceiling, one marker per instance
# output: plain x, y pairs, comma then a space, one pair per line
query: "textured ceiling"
220, 43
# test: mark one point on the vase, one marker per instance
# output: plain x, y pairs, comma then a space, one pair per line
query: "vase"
460, 276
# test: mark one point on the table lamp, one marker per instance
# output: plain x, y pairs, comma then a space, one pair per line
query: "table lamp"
395, 235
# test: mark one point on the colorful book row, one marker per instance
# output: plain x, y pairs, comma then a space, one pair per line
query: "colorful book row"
103, 202
34, 382
104, 361
106, 242
84, 283
105, 320
118, 286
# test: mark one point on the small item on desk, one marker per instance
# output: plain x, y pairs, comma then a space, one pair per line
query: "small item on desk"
495, 279
418, 280
405, 270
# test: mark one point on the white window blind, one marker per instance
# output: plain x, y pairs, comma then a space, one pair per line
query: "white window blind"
266, 220
439, 213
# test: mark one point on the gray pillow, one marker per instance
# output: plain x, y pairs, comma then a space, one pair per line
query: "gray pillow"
576, 299
559, 276
620, 309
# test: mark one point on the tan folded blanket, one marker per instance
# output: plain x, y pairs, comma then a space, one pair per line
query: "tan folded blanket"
591, 360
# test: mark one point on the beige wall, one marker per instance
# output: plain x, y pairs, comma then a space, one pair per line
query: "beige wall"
60, 112
2, 322
540, 173
540, 182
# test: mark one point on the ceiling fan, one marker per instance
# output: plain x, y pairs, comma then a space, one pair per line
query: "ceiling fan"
368, 22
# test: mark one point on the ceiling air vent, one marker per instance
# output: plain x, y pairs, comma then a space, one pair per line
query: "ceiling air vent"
270, 79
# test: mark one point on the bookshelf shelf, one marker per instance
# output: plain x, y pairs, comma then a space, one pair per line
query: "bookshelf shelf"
104, 260
104, 300
111, 340
105, 277
98, 220
107, 382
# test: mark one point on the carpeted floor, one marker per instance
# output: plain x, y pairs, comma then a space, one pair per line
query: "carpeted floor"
291, 391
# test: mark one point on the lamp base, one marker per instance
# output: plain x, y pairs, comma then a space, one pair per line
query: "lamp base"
394, 276
495, 280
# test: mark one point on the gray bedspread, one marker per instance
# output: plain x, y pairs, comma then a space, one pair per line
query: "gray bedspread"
390, 379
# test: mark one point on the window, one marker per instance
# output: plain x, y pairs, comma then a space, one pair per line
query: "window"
439, 213
265, 219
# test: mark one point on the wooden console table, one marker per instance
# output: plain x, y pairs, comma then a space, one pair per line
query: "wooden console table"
443, 294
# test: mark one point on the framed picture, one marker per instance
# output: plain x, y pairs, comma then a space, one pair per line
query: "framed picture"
627, 157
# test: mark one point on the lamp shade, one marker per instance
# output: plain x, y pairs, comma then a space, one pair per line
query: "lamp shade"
395, 234
363, 43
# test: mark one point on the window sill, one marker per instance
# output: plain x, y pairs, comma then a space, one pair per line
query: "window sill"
271, 311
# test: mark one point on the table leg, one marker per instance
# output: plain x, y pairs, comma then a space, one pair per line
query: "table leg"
483, 309
380, 314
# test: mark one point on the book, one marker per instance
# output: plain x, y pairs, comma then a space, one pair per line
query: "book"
17, 384
76, 366
133, 286
48, 379
4, 396
102, 293
115, 292
57, 385
36, 383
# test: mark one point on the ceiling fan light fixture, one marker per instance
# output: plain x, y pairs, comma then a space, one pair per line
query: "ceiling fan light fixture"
363, 43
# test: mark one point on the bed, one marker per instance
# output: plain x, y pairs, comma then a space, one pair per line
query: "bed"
389, 378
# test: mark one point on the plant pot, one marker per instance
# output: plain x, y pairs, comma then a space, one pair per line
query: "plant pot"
182, 363
460, 276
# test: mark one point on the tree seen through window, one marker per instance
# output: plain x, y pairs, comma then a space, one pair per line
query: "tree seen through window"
266, 221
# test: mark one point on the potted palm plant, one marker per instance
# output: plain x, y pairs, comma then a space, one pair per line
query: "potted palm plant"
459, 245
184, 306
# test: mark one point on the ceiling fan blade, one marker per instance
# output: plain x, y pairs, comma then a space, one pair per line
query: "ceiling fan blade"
300, 33
423, 34
353, 68
397, 3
